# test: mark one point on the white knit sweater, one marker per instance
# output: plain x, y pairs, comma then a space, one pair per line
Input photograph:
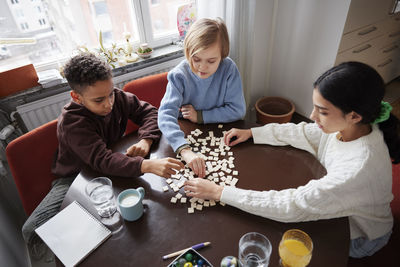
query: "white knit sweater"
358, 182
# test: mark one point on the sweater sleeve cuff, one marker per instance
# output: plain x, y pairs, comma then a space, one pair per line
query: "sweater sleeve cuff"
229, 194
200, 117
140, 173
178, 151
258, 133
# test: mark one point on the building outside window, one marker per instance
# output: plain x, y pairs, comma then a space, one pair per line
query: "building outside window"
61, 27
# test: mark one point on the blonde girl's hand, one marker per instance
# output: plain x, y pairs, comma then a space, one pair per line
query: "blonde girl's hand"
164, 167
235, 136
203, 188
195, 162
142, 148
189, 113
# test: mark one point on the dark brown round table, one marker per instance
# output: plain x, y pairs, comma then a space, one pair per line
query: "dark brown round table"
166, 227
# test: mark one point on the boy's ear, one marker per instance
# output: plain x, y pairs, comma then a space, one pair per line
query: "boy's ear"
76, 97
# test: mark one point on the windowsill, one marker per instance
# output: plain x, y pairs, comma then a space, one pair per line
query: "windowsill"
159, 55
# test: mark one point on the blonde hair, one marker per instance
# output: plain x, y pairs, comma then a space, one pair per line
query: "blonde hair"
203, 34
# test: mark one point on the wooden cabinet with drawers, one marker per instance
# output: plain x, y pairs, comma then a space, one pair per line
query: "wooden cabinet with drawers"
372, 35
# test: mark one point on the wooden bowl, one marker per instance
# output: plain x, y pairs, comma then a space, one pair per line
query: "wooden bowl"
273, 109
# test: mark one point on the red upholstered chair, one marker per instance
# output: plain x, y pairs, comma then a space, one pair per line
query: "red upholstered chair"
30, 158
387, 256
150, 89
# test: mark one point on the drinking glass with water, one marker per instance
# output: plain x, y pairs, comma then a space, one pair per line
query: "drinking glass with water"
254, 250
101, 194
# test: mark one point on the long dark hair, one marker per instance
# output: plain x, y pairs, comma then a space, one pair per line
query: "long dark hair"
355, 86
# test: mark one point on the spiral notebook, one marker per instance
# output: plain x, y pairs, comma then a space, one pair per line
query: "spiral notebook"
73, 234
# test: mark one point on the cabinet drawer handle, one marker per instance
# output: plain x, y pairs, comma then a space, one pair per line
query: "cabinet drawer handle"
385, 63
365, 47
390, 49
366, 31
394, 34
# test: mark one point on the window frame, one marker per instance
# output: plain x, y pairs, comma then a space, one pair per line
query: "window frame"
145, 26
141, 12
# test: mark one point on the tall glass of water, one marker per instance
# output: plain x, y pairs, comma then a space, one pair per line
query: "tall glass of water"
254, 250
101, 194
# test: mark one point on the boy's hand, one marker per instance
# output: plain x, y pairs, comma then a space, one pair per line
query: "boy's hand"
162, 167
203, 188
235, 136
189, 113
142, 148
196, 163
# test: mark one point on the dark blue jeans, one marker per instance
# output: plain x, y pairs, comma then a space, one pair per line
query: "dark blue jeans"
362, 247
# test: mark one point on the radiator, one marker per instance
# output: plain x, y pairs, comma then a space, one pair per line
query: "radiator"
37, 113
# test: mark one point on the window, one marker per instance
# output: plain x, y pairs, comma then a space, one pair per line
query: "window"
19, 13
71, 24
24, 26
100, 7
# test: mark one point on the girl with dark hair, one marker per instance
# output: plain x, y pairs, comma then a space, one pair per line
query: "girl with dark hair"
355, 138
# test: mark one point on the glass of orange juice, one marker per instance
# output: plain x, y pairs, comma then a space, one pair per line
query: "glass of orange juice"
295, 249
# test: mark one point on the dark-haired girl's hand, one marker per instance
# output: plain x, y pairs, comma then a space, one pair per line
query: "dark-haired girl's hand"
235, 136
203, 188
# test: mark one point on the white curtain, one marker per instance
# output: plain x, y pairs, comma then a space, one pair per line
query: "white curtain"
280, 46
249, 26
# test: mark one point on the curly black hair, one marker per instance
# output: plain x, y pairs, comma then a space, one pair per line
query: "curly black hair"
84, 70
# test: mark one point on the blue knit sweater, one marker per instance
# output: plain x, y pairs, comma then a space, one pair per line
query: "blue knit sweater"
219, 97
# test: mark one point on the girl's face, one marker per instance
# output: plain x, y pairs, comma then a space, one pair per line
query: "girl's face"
205, 63
98, 98
328, 117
